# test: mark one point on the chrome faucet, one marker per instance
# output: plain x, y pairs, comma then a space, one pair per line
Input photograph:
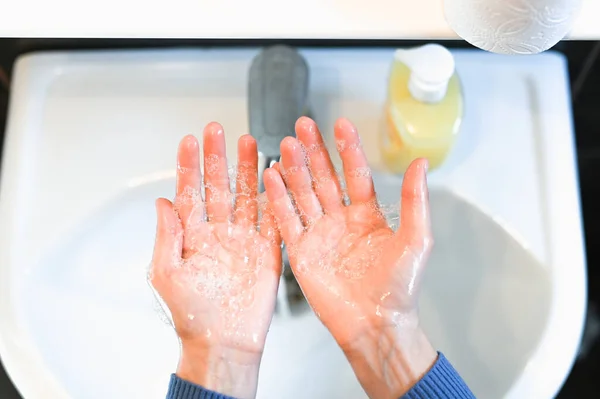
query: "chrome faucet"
277, 97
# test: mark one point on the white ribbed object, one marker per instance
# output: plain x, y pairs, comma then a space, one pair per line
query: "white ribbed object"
512, 26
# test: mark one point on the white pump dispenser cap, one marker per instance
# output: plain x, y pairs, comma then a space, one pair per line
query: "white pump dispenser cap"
431, 68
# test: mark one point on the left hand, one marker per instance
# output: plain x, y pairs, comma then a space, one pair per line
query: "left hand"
216, 271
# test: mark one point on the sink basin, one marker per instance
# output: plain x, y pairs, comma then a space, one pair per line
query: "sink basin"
91, 143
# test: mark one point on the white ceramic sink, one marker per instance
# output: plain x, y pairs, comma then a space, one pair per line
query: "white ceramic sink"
91, 143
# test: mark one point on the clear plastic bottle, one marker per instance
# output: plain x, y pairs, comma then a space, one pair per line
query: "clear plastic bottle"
424, 107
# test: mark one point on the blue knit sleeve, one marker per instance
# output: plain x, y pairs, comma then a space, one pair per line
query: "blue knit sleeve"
441, 382
181, 389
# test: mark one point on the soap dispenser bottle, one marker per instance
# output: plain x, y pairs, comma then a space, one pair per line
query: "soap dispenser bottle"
424, 108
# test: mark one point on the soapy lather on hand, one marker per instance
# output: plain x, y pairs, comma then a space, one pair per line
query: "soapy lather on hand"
218, 272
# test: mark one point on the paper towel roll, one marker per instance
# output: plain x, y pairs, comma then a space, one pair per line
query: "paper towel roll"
512, 26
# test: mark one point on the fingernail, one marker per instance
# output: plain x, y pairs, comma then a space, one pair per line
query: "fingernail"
308, 124
191, 142
292, 143
345, 124
215, 128
218, 131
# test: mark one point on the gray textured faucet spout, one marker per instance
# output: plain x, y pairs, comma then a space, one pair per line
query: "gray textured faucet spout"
277, 97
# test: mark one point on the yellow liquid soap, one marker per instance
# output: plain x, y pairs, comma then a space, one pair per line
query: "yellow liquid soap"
424, 109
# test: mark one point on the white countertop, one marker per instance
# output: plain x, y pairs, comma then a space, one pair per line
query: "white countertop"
326, 19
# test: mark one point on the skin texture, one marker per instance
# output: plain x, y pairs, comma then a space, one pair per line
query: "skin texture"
360, 277
215, 270
218, 273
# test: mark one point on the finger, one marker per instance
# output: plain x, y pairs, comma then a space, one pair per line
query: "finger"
168, 243
356, 169
268, 222
287, 219
415, 222
188, 198
277, 167
268, 225
298, 180
216, 177
325, 182
246, 186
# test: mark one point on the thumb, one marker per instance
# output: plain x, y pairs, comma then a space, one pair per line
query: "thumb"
415, 222
169, 238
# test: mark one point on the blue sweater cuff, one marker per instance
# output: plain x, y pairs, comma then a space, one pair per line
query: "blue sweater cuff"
441, 382
181, 389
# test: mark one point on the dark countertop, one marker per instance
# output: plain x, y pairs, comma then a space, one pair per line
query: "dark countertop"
584, 68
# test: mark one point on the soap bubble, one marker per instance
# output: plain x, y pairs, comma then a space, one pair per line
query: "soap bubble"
212, 243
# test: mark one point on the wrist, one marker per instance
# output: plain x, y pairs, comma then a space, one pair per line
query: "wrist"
228, 371
389, 361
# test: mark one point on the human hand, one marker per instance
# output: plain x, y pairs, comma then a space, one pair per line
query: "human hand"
215, 271
360, 277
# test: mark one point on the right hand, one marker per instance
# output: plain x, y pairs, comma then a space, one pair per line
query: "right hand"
216, 271
360, 277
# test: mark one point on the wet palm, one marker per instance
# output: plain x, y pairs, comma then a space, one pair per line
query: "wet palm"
355, 271
215, 271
